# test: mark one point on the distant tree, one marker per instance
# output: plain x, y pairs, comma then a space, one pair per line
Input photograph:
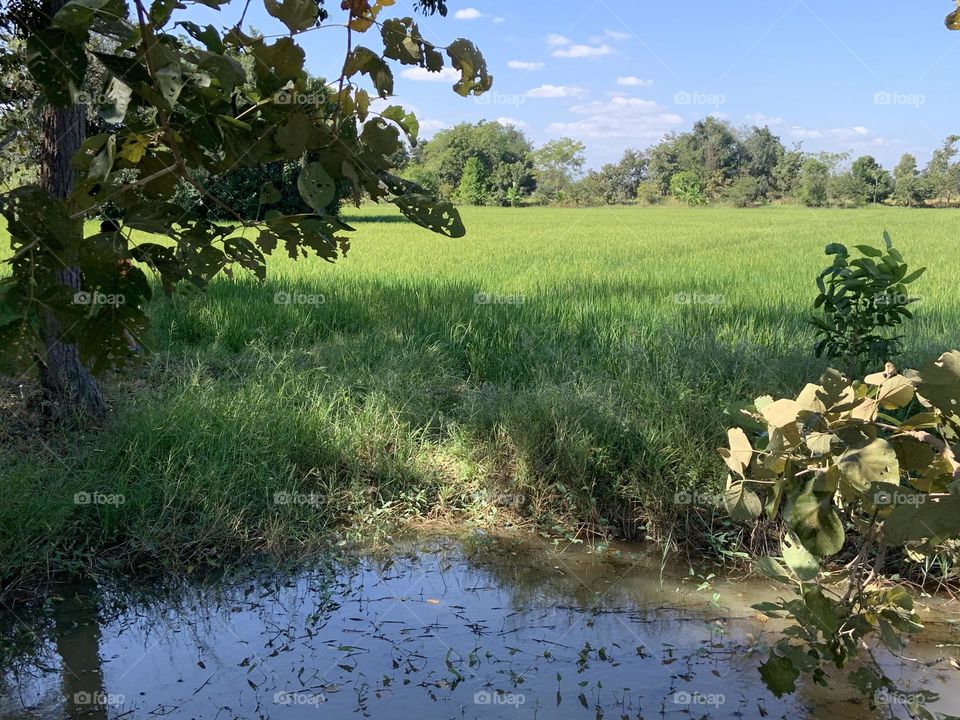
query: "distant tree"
744, 191
942, 173
663, 163
473, 187
614, 183
557, 165
909, 186
813, 182
786, 174
763, 154
873, 183
445, 155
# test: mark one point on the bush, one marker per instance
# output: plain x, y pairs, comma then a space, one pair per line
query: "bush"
743, 192
687, 187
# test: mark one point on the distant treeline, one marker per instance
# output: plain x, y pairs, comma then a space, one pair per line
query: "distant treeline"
489, 163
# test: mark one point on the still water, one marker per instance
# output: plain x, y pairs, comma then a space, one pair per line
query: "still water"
438, 628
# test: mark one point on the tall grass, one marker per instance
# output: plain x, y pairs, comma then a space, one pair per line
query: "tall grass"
586, 400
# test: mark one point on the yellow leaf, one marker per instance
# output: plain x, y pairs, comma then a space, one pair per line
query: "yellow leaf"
134, 147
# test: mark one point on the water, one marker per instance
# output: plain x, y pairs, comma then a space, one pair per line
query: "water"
439, 628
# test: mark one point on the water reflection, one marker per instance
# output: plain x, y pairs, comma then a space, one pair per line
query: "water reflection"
479, 628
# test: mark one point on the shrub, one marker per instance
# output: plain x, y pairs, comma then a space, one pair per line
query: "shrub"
863, 300
687, 187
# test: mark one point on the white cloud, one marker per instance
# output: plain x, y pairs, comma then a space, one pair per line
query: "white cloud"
467, 14
631, 81
616, 34
553, 39
524, 65
424, 75
499, 20
620, 118
582, 51
512, 122
761, 120
856, 133
555, 91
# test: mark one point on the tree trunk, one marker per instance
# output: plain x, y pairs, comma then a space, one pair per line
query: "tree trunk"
67, 383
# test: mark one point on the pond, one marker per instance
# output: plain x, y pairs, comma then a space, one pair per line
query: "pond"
474, 627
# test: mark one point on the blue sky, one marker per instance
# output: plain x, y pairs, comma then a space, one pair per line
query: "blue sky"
860, 76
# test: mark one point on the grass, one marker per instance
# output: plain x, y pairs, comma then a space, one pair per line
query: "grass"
587, 406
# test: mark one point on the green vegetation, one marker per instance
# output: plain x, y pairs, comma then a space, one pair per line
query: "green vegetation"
580, 384
713, 162
873, 460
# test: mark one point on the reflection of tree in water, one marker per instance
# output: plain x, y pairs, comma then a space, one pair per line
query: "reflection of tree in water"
76, 635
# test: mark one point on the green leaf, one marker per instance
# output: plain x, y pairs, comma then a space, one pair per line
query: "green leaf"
316, 187
869, 250
816, 524
742, 504
936, 519
869, 462
804, 565
779, 675
939, 382
440, 217
297, 15
474, 78
57, 61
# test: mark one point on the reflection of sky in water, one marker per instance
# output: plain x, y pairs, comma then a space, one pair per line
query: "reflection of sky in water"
444, 632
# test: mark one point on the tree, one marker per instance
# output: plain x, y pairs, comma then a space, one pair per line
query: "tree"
557, 164
472, 189
763, 153
874, 183
813, 182
909, 188
176, 108
445, 156
614, 183
786, 174
942, 173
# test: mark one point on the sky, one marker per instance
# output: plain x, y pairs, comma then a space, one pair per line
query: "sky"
859, 76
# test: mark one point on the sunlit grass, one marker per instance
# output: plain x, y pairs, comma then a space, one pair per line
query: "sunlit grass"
591, 395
